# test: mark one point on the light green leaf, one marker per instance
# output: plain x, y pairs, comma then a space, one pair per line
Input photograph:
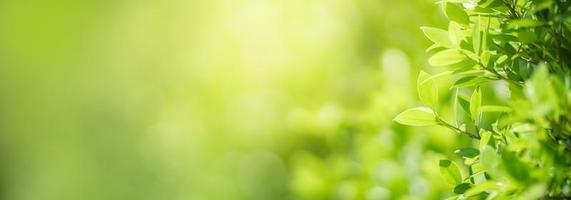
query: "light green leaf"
432, 47
524, 23
471, 55
485, 137
436, 76
438, 36
489, 159
455, 34
476, 36
474, 72
501, 59
420, 116
449, 170
537, 87
456, 13
469, 81
485, 58
485, 35
446, 57
475, 103
427, 89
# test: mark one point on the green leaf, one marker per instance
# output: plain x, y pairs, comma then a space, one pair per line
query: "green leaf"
485, 137
536, 88
527, 36
485, 58
446, 57
515, 167
432, 47
475, 72
475, 103
489, 159
524, 23
501, 59
464, 104
476, 37
493, 108
449, 170
420, 116
462, 188
438, 36
456, 13
436, 76
485, 36
455, 34
427, 90
469, 81
471, 55
468, 152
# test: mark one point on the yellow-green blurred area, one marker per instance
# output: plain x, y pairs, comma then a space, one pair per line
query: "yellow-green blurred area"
220, 99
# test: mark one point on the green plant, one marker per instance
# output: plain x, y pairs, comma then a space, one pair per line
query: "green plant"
521, 141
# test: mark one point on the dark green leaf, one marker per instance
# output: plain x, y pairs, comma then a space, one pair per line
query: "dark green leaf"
462, 188
468, 152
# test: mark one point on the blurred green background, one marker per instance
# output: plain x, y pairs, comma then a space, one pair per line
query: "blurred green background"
220, 99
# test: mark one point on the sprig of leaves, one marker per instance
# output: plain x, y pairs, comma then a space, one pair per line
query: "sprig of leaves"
524, 142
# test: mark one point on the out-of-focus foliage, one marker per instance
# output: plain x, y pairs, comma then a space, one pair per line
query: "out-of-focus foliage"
511, 65
218, 99
266, 99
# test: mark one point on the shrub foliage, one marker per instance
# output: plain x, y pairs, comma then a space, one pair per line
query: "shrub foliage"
510, 60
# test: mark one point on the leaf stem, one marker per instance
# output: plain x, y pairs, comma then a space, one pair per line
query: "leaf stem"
456, 129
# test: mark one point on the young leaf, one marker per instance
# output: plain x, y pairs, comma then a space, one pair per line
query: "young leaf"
455, 34
446, 57
475, 103
489, 160
524, 23
436, 76
476, 37
469, 81
449, 170
456, 13
485, 138
485, 58
420, 116
427, 90
438, 36
432, 47
501, 59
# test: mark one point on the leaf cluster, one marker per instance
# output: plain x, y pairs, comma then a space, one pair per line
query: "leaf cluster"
521, 142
